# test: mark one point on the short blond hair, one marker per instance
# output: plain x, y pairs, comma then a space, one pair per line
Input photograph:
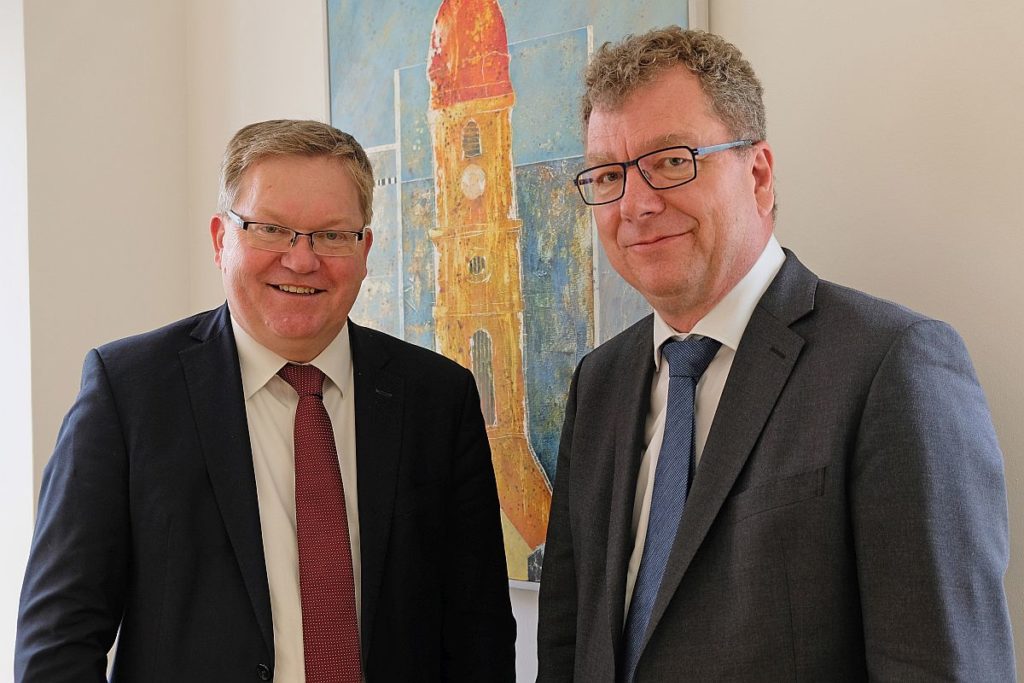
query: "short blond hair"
285, 137
726, 77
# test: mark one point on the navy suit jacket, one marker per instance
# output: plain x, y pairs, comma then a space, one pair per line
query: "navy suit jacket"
847, 520
148, 521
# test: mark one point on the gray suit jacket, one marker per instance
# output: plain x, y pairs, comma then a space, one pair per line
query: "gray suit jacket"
847, 521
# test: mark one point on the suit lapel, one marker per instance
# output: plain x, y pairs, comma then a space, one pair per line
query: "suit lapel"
631, 379
378, 411
214, 384
763, 363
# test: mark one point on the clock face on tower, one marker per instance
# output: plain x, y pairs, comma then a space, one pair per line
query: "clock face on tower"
473, 181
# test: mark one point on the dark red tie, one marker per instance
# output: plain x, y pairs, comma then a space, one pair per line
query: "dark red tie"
330, 633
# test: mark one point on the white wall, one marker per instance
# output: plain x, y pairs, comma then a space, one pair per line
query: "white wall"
247, 60
15, 401
892, 123
897, 133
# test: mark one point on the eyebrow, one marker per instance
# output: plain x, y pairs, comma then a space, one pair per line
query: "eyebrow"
650, 145
336, 224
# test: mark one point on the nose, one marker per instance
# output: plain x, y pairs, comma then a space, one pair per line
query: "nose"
639, 200
300, 258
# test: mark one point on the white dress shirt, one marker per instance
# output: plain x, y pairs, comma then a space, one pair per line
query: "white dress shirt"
725, 323
270, 405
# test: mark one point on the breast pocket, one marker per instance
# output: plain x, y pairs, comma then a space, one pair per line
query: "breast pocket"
774, 494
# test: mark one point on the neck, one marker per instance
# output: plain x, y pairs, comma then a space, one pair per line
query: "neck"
683, 321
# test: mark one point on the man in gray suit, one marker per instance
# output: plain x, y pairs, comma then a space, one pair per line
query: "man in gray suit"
826, 500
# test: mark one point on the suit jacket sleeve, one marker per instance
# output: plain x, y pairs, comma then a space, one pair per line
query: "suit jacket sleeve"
929, 517
479, 631
556, 628
73, 594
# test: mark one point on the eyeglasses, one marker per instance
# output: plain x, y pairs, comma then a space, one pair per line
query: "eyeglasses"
661, 169
278, 238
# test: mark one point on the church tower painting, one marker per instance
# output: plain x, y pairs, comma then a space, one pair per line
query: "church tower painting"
478, 313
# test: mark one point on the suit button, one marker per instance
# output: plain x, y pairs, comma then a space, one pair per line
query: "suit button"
263, 671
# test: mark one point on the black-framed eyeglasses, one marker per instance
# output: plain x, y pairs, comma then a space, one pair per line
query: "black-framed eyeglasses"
278, 238
661, 169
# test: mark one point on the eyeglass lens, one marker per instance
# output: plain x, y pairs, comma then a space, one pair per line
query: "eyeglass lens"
324, 243
661, 169
668, 167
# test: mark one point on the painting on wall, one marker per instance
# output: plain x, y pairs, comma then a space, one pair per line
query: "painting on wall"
482, 249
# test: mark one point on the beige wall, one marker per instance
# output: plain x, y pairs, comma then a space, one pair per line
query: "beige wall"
106, 185
892, 123
129, 107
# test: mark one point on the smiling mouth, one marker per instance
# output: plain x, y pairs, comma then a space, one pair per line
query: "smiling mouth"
656, 240
295, 289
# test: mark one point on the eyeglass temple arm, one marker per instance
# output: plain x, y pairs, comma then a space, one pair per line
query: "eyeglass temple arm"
703, 151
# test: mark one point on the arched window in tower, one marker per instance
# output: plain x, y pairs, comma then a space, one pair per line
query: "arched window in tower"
477, 268
483, 371
471, 140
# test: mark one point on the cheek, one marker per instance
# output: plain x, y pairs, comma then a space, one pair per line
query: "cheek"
230, 255
352, 271
241, 267
607, 227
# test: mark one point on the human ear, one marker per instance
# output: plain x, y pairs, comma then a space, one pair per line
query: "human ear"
763, 171
217, 235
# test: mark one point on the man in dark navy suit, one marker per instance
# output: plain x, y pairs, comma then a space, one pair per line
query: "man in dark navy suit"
170, 509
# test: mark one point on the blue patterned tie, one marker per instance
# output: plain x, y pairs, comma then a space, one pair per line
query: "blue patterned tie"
687, 361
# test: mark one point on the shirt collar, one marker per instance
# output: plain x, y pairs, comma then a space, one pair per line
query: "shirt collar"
259, 364
728, 319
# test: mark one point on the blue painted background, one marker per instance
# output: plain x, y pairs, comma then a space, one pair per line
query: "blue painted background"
375, 45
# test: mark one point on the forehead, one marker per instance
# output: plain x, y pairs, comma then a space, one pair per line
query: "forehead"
670, 110
296, 189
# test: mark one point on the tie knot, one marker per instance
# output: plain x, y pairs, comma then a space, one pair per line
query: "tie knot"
690, 357
306, 380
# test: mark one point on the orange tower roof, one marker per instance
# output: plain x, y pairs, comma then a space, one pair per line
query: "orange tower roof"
468, 52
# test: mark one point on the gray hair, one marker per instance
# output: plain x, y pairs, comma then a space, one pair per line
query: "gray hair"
620, 69
284, 137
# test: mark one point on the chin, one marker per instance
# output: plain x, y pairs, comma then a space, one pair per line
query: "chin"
667, 287
296, 335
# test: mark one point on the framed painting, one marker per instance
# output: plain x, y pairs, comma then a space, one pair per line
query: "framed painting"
483, 250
